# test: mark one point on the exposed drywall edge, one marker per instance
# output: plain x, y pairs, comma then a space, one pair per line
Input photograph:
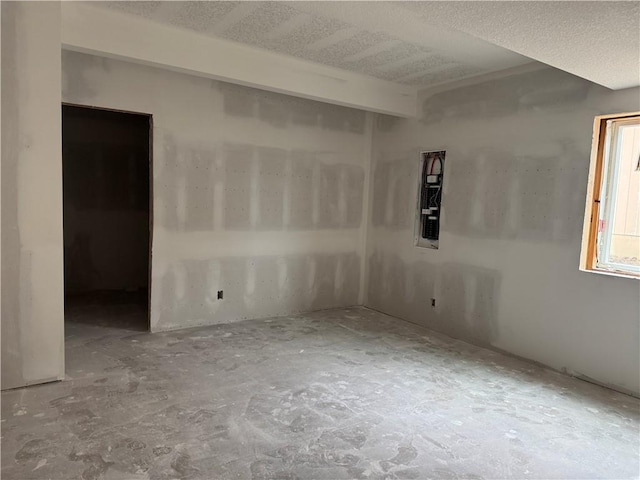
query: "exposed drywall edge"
89, 29
584, 378
36, 151
366, 199
0, 183
492, 348
44, 381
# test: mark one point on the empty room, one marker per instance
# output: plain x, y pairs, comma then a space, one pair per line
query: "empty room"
320, 240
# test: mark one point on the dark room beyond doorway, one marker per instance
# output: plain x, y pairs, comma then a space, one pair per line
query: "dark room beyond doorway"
106, 190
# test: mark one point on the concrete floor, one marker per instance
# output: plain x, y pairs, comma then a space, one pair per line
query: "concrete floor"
337, 394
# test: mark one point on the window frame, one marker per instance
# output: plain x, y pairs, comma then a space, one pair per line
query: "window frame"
594, 202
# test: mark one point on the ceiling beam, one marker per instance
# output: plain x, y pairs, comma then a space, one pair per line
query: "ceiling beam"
88, 29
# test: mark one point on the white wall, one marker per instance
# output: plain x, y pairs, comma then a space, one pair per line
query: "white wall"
255, 193
506, 274
32, 300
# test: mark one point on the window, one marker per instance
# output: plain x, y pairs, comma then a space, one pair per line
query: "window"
611, 240
430, 199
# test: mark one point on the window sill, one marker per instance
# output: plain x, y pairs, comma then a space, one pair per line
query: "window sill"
612, 273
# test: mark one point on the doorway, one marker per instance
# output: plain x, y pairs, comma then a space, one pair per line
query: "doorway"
106, 164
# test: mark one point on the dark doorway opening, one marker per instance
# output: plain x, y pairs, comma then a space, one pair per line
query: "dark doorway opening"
106, 163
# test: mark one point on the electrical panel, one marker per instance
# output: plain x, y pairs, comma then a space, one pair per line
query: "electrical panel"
431, 194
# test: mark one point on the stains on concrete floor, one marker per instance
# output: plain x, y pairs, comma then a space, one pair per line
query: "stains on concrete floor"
337, 394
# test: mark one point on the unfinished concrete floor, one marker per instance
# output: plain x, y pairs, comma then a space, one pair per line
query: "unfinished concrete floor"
347, 393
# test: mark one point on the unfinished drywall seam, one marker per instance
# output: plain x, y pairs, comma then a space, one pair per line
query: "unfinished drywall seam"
257, 194
366, 199
11, 351
506, 276
1, 135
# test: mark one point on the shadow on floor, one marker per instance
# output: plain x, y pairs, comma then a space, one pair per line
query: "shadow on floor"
109, 309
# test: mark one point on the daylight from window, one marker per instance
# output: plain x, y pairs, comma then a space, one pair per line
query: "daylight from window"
619, 226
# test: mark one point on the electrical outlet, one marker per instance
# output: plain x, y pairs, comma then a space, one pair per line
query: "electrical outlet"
433, 302
220, 294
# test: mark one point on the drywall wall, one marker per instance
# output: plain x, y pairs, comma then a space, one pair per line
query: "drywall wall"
257, 194
105, 158
32, 296
506, 274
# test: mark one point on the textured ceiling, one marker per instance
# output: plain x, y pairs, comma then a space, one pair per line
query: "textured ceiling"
423, 43
380, 39
596, 40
